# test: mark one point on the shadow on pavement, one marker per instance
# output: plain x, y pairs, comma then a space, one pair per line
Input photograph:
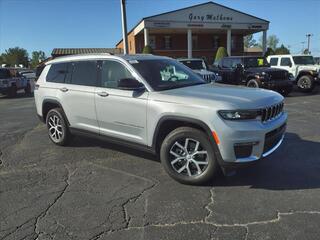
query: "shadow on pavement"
296, 165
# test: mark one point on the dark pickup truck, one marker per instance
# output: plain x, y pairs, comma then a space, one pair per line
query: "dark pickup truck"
11, 81
254, 72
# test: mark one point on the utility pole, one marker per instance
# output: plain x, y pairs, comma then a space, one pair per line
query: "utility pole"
124, 26
309, 35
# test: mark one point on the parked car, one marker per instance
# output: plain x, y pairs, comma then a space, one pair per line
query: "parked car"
254, 72
303, 68
138, 100
200, 67
11, 81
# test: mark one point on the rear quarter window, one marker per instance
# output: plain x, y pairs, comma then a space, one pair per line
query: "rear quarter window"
57, 73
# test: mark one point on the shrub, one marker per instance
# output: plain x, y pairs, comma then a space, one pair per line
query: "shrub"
221, 53
147, 50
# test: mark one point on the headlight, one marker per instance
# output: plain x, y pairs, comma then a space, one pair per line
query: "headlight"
239, 114
291, 77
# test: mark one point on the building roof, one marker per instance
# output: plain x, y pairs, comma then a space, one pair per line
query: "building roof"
72, 51
190, 7
253, 49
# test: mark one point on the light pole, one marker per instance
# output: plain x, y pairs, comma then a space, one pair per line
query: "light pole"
309, 35
124, 26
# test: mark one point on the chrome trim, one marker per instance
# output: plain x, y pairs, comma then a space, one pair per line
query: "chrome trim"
274, 148
255, 158
247, 159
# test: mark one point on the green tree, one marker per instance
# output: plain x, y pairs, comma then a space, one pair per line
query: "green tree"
269, 52
147, 50
221, 53
15, 56
272, 42
37, 57
249, 41
282, 50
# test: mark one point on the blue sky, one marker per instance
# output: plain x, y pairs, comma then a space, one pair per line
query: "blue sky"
46, 24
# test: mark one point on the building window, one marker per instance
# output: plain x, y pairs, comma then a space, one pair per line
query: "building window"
216, 42
152, 42
167, 42
233, 42
195, 42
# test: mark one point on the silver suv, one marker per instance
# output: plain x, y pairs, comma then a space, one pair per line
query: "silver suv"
195, 127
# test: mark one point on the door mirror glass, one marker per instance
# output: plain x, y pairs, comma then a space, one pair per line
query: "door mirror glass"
130, 84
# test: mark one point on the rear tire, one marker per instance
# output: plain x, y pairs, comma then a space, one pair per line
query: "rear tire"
254, 83
12, 92
285, 91
58, 129
27, 90
188, 156
305, 83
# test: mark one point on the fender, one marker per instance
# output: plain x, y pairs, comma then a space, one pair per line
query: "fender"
187, 120
56, 102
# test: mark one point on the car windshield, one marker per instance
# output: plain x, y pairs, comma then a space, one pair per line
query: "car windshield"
304, 60
164, 74
255, 62
194, 64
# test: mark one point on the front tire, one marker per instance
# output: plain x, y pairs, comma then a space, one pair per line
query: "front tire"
254, 83
12, 92
27, 90
305, 83
58, 129
188, 156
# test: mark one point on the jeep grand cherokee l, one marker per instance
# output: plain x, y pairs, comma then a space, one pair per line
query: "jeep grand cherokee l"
195, 127
254, 72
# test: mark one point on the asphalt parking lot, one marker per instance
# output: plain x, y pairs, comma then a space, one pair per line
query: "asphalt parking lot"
96, 190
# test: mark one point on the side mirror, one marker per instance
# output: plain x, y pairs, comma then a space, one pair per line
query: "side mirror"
290, 64
239, 66
130, 84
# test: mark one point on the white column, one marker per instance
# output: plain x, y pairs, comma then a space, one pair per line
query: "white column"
146, 36
229, 42
264, 42
189, 43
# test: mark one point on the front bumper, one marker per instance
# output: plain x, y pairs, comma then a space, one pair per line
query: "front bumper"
278, 84
265, 138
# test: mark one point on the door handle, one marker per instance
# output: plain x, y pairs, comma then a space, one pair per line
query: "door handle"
64, 89
103, 94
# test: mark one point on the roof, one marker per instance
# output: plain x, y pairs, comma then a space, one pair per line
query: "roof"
197, 5
72, 51
190, 59
126, 57
253, 49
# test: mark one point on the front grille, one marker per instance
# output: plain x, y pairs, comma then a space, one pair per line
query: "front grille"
278, 75
208, 77
243, 151
271, 112
273, 137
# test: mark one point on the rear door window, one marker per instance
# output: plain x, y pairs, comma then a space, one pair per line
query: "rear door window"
57, 73
273, 61
84, 73
285, 62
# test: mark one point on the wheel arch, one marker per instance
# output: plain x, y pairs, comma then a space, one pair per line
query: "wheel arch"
49, 104
166, 124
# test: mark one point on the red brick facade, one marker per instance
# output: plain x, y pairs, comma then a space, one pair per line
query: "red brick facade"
204, 45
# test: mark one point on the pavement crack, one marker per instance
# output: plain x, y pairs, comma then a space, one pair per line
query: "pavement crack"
62, 192
211, 203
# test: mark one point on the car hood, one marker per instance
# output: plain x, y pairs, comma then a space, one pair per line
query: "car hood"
202, 72
264, 69
219, 96
309, 67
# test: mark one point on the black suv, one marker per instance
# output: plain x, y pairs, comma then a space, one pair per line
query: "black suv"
254, 72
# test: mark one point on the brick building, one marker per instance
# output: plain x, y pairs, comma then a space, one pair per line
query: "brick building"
195, 31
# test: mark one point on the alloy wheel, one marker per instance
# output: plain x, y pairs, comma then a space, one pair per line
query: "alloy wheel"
188, 157
55, 128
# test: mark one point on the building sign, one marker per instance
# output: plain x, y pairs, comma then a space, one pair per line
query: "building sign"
161, 24
209, 18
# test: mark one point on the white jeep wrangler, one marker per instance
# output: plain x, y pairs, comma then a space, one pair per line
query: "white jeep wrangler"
302, 67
